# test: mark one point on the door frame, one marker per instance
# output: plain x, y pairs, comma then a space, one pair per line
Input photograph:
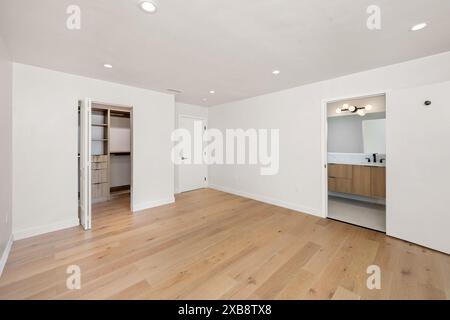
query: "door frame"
84, 158
177, 171
118, 107
128, 108
324, 143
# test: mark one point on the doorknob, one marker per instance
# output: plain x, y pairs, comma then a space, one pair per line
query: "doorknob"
183, 158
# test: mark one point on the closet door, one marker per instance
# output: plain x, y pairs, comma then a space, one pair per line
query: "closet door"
85, 164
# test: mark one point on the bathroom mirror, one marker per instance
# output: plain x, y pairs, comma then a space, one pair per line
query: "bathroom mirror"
346, 133
374, 136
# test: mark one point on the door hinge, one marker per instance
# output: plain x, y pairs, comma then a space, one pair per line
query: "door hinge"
205, 178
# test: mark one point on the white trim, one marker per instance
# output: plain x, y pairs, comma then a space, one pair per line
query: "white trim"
152, 204
273, 201
324, 143
182, 115
6, 254
36, 231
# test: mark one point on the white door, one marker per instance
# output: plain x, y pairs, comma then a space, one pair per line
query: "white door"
85, 164
418, 171
192, 175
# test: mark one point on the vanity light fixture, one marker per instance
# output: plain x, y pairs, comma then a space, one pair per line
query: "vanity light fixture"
354, 109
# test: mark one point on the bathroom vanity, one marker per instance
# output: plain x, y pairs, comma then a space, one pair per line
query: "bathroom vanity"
367, 180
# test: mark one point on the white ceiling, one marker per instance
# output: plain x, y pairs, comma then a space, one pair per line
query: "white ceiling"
228, 46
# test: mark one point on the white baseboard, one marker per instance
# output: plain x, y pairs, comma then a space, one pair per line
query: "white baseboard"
275, 202
5, 254
152, 204
36, 231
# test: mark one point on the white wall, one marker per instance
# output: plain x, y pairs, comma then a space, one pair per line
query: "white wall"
297, 113
187, 110
190, 110
45, 146
6, 153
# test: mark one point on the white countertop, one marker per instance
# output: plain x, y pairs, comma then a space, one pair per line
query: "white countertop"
367, 164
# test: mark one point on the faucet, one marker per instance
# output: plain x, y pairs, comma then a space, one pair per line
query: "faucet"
368, 159
374, 158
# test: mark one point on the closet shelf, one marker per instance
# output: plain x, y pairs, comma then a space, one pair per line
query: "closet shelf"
99, 124
99, 139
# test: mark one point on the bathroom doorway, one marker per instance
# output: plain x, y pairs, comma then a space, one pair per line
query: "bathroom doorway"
356, 161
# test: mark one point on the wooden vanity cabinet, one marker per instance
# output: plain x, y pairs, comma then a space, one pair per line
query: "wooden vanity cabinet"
359, 180
340, 178
378, 182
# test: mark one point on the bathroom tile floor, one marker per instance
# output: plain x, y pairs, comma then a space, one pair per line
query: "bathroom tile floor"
368, 215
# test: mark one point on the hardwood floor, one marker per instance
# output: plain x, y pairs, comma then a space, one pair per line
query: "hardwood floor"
213, 245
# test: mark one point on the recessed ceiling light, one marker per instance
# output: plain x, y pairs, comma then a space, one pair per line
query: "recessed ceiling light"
276, 72
148, 6
419, 26
107, 66
212, 92
204, 99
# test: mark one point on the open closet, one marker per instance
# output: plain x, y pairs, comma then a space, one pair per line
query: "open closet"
105, 136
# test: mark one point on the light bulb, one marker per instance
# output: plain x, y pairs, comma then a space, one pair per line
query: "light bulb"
345, 106
369, 107
338, 110
352, 108
361, 112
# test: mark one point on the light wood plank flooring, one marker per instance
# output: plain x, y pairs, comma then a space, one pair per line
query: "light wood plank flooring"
213, 245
